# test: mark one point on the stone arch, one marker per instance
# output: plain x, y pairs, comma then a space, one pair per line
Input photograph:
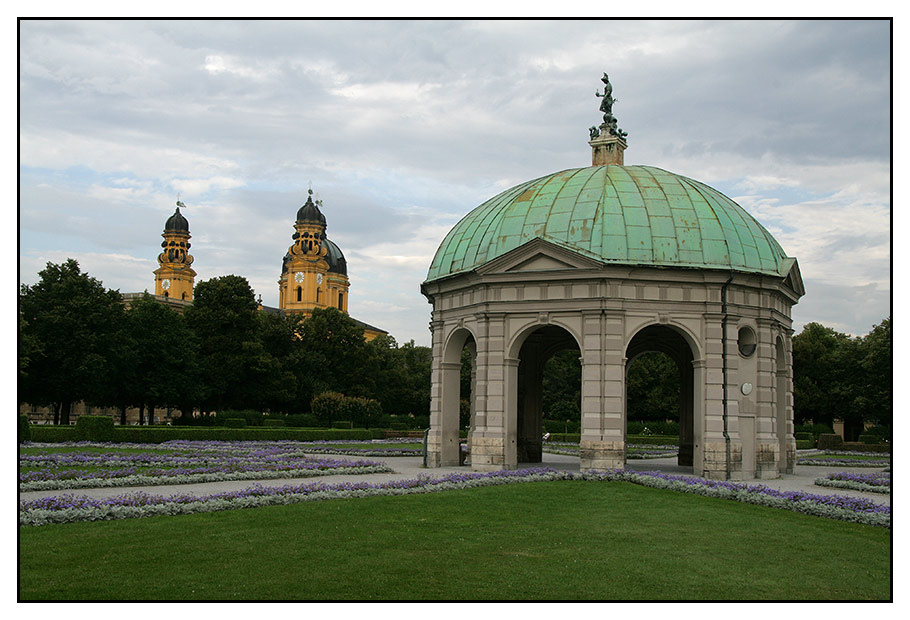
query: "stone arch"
677, 344
529, 351
448, 383
521, 335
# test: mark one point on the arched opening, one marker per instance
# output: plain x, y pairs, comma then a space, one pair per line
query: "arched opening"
299, 293
456, 382
672, 346
539, 347
341, 301
653, 395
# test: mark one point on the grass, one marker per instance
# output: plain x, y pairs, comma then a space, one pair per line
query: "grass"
554, 540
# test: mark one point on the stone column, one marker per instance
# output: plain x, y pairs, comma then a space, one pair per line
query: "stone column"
686, 431
602, 392
716, 445
767, 448
443, 440
489, 450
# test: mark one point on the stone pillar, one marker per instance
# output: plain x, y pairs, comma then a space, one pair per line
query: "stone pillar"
767, 448
443, 441
715, 460
698, 416
495, 392
686, 431
603, 418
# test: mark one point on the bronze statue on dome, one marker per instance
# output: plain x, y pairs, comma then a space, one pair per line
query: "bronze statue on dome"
606, 106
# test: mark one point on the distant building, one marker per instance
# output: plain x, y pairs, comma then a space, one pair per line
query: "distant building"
314, 274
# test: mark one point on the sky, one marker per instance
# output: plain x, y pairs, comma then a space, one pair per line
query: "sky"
402, 127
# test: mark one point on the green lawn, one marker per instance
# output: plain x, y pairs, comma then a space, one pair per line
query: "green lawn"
552, 540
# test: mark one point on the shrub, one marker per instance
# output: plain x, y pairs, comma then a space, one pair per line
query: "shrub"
882, 432
342, 424
828, 441
804, 437
328, 407
560, 426
869, 439
234, 423
655, 427
252, 417
815, 429
307, 420
566, 437
94, 428
23, 428
48, 433
656, 440
273, 422
805, 445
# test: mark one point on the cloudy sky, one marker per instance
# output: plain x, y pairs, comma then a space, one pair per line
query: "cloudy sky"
402, 127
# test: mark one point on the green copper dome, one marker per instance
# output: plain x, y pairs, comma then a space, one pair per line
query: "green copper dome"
630, 215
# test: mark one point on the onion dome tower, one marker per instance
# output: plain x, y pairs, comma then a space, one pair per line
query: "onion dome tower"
174, 277
314, 272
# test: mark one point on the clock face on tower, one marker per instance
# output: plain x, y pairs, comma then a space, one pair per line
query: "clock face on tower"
165, 284
318, 278
299, 277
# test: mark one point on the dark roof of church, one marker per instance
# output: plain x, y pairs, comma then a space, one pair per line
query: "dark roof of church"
177, 223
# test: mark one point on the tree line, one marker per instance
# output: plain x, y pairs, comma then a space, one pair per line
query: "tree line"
78, 341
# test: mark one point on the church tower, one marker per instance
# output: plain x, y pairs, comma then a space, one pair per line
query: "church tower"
314, 272
175, 276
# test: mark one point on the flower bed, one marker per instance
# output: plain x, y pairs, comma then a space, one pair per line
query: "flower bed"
879, 482
830, 458
70, 508
179, 462
633, 452
841, 507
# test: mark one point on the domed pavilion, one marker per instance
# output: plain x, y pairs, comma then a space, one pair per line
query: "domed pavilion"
614, 261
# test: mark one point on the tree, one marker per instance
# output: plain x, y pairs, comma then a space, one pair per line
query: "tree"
877, 366
164, 371
335, 343
561, 394
70, 320
836, 376
223, 318
653, 388
402, 376
819, 356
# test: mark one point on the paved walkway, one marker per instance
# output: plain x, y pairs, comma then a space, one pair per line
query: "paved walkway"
409, 467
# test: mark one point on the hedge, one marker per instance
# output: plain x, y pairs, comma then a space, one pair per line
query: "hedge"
235, 422
94, 428
830, 442
656, 440
160, 434
802, 444
23, 428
